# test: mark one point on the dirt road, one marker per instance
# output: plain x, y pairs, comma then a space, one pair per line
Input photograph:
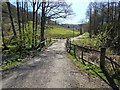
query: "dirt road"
51, 69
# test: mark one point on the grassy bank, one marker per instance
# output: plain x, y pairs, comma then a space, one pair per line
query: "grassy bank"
88, 68
59, 32
16, 60
91, 42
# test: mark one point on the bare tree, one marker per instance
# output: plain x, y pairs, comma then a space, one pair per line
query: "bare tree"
119, 12
20, 34
43, 23
54, 10
108, 12
102, 11
38, 6
58, 9
95, 17
27, 20
34, 3
11, 19
90, 19
23, 22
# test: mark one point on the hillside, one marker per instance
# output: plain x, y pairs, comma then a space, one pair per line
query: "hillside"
57, 31
5, 12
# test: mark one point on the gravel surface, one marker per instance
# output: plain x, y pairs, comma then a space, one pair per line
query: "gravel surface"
50, 69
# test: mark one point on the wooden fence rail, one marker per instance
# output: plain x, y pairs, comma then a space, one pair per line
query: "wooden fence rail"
101, 60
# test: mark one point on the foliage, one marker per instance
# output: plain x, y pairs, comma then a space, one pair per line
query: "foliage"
7, 65
85, 35
95, 43
104, 24
109, 37
86, 41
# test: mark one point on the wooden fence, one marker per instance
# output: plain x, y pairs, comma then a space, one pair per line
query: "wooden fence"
110, 68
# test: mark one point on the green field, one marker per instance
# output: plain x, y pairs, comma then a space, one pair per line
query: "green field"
59, 32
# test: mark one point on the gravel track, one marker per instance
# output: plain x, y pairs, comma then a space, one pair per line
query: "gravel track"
50, 69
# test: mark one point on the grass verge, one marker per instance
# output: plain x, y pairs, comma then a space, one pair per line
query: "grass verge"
88, 68
12, 63
91, 69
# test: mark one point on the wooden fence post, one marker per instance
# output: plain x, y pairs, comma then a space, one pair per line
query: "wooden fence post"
102, 66
74, 51
50, 40
102, 58
69, 46
82, 57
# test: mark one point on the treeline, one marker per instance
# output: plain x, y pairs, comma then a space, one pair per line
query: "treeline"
23, 25
104, 23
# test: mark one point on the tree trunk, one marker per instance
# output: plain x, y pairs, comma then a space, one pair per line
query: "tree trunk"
36, 30
119, 13
11, 19
23, 33
90, 32
29, 41
108, 12
115, 12
20, 36
33, 33
112, 11
43, 24
102, 14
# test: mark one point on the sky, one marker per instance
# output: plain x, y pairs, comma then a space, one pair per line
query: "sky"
79, 7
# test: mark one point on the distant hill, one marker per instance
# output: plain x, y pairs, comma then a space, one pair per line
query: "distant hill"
71, 26
5, 12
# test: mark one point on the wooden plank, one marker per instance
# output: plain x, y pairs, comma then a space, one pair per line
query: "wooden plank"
85, 49
112, 61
